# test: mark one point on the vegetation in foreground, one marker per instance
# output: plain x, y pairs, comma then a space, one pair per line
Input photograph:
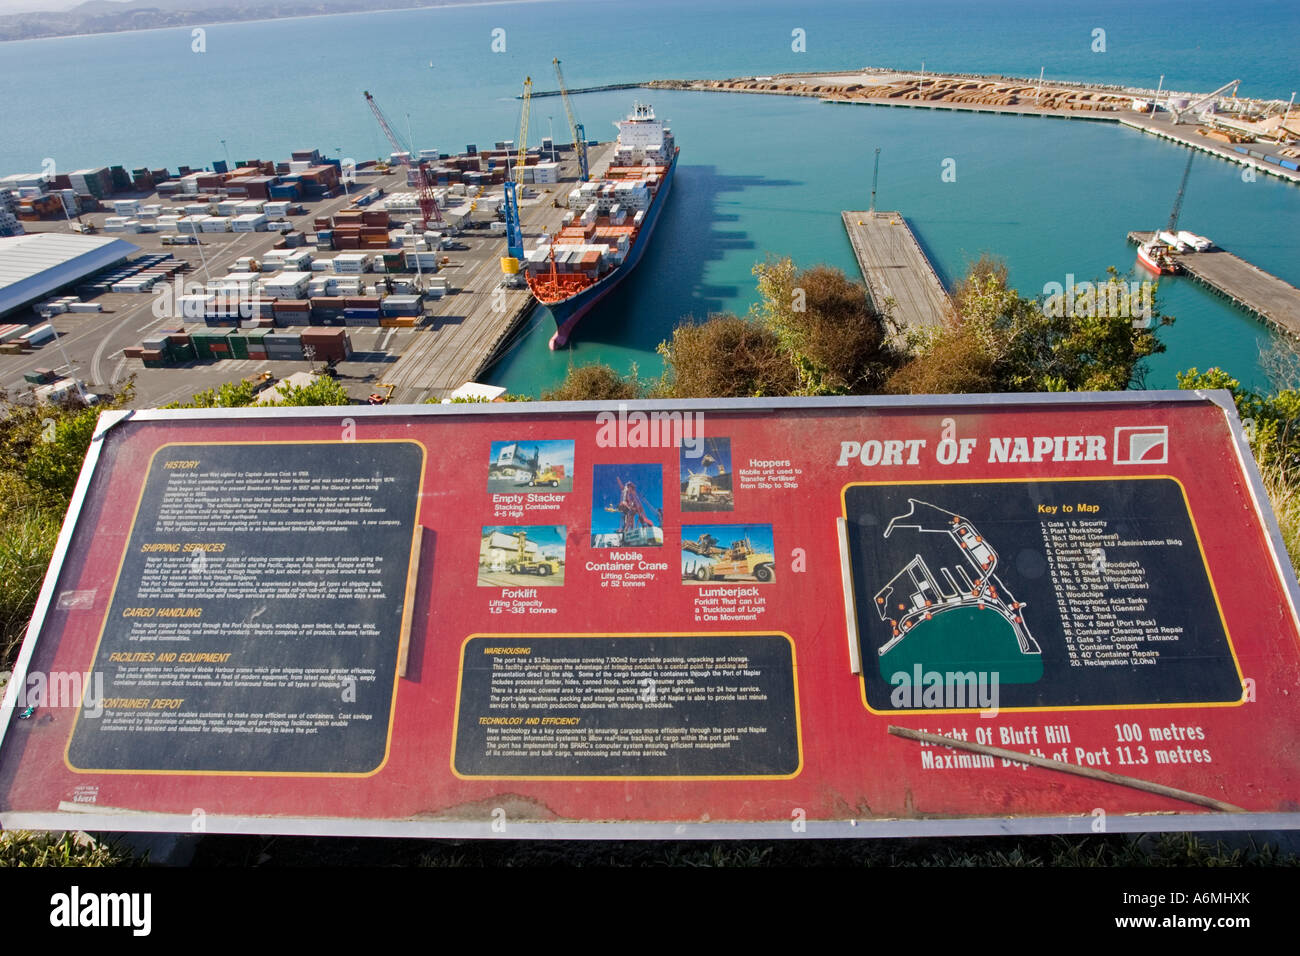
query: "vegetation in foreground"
814, 332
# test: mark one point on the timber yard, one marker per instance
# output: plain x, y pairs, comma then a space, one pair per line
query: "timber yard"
402, 276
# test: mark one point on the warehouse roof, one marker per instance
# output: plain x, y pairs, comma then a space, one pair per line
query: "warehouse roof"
35, 265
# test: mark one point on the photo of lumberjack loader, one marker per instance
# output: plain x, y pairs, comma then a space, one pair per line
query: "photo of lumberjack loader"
917, 594
736, 561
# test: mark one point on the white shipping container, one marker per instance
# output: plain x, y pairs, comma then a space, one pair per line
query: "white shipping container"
250, 222
194, 306
41, 333
76, 307
352, 263
287, 285
426, 261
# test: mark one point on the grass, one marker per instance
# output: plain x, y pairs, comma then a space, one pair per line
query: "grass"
1100, 851
21, 848
1285, 499
1106, 850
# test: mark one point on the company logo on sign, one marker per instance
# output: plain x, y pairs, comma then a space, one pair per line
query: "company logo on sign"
1142, 445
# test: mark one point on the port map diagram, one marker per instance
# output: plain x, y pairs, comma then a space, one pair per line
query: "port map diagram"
920, 595
1110, 604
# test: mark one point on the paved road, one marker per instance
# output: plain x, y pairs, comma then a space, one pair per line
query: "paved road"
92, 343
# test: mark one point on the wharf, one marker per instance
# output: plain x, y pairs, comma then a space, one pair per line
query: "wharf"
1188, 135
1262, 294
896, 269
955, 93
472, 326
584, 89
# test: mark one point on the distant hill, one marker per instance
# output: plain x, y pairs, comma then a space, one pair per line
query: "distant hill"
111, 16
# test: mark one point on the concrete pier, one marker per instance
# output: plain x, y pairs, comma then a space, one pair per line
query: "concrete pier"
897, 272
470, 327
1249, 287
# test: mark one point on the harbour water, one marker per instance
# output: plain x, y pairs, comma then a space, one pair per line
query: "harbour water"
758, 175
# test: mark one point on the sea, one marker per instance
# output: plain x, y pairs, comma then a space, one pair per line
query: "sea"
758, 176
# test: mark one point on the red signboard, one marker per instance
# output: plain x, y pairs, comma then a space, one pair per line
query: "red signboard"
688, 619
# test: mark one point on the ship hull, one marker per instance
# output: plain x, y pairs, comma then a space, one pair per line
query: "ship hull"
1152, 264
569, 312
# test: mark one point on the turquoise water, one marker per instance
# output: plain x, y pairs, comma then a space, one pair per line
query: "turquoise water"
1050, 197
758, 175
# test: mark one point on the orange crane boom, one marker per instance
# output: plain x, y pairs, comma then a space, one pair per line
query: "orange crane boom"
428, 203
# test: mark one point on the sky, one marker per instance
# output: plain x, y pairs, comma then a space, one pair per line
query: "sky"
605, 491
36, 6
550, 538
759, 535
548, 452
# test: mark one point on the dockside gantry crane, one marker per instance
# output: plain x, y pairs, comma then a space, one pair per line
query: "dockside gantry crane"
576, 128
429, 210
510, 262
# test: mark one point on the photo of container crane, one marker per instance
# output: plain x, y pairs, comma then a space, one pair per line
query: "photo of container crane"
627, 506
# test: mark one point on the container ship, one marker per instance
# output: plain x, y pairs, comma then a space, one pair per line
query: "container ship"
609, 224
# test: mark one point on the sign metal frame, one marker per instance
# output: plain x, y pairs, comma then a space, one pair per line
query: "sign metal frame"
70, 816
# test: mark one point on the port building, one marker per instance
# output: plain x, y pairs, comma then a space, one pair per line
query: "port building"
34, 266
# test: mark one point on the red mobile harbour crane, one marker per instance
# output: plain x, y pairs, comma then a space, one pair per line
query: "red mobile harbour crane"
636, 528
428, 204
